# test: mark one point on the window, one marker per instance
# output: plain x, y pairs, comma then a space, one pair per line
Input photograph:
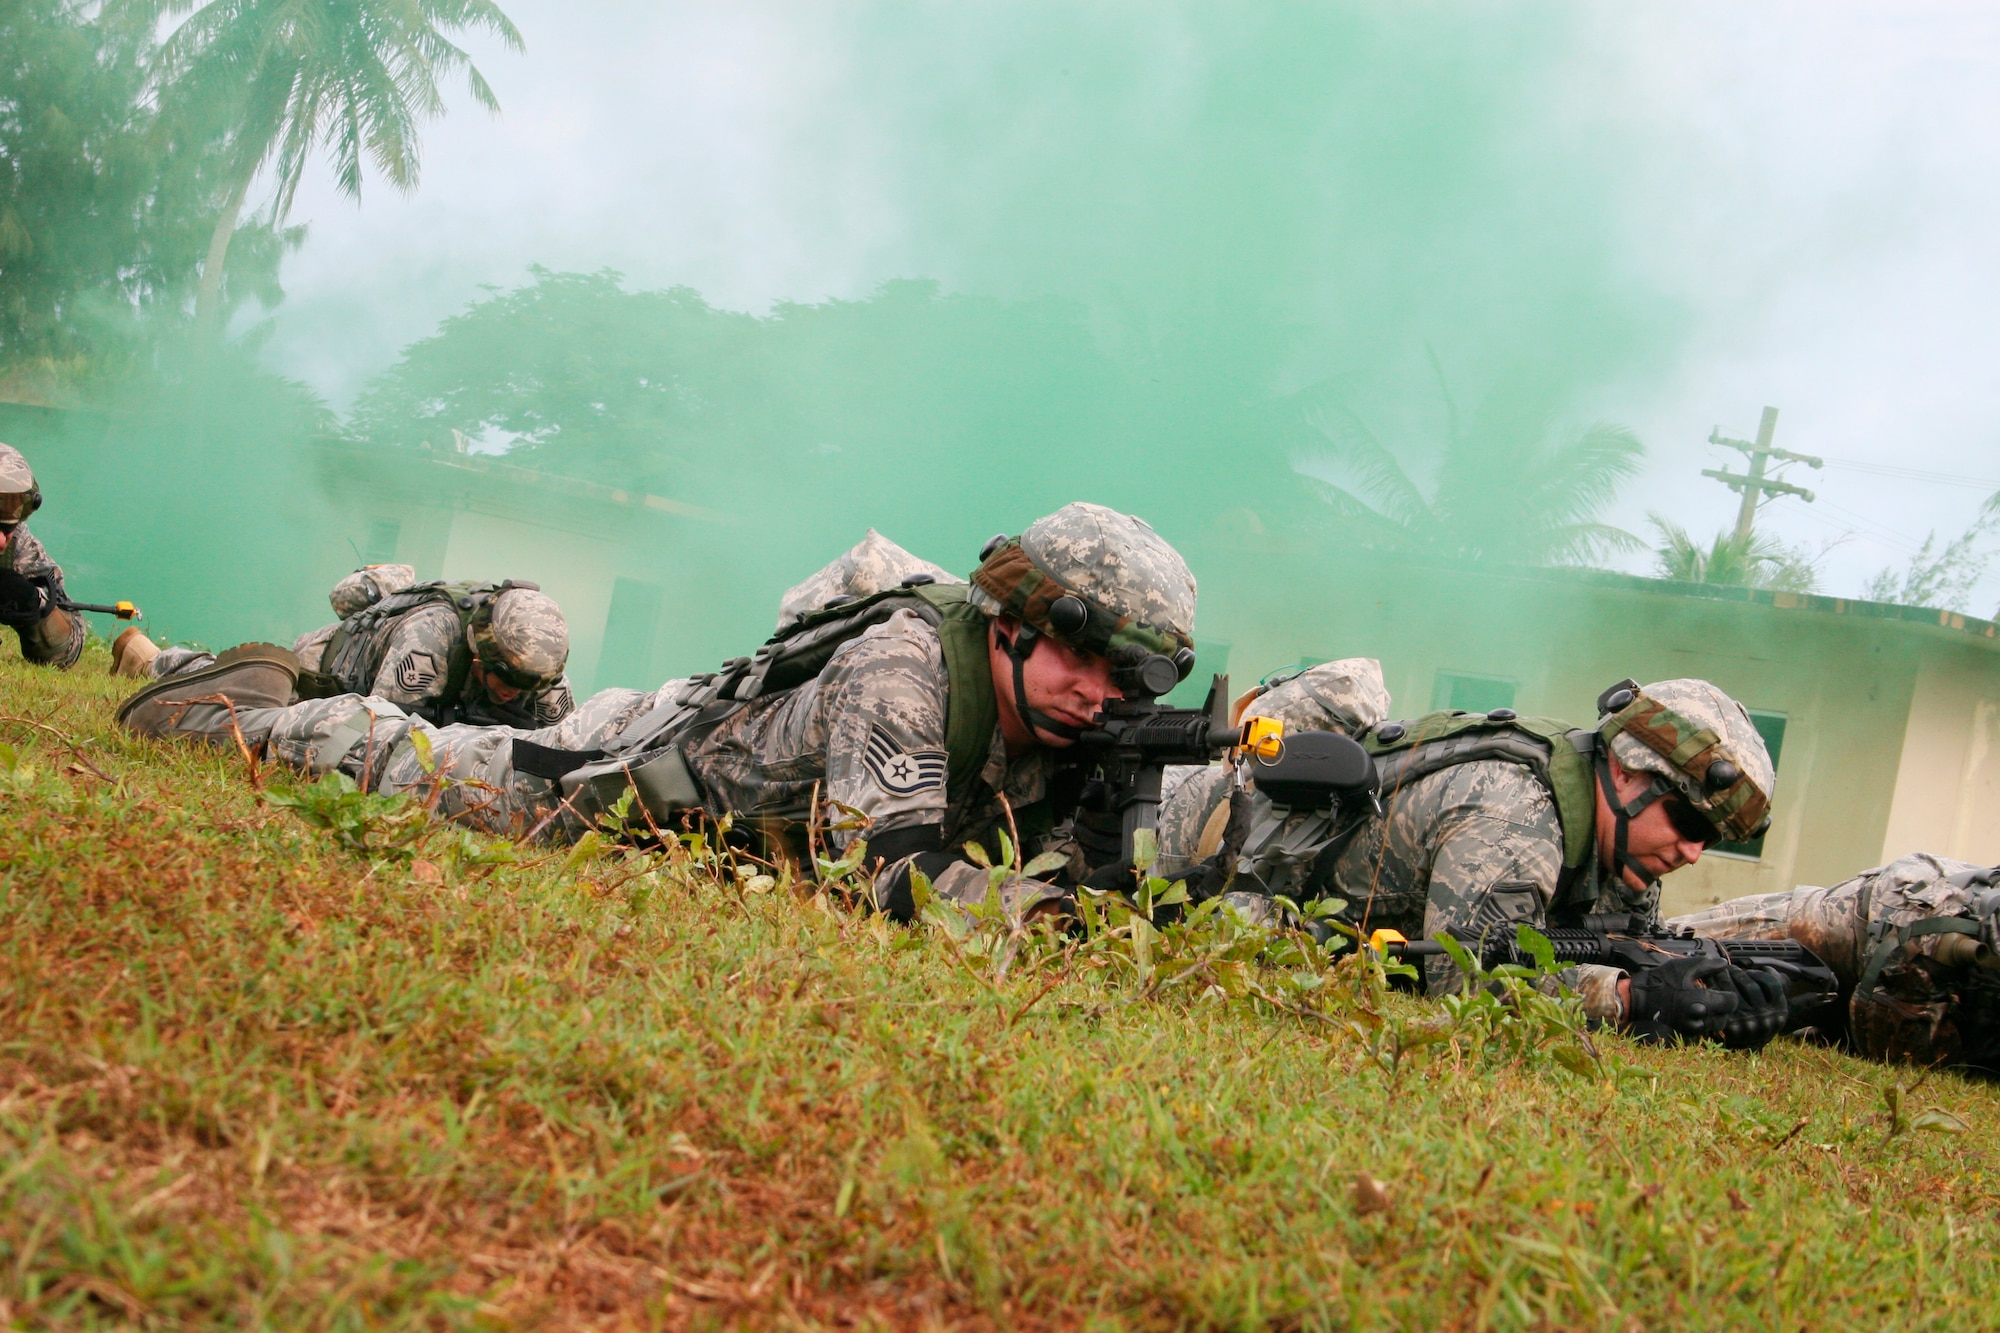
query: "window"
383, 533
1771, 726
1470, 693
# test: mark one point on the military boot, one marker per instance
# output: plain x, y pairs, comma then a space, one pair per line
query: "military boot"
132, 654
250, 675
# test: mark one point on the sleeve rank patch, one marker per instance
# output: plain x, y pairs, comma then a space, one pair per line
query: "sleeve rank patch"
417, 672
902, 773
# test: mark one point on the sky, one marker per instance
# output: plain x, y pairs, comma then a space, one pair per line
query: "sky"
1671, 215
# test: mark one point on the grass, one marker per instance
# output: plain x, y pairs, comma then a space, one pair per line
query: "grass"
250, 1077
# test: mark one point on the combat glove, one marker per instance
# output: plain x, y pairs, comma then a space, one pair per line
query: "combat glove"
1686, 999
22, 602
1761, 1012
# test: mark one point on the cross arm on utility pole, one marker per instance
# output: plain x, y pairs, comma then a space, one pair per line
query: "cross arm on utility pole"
1736, 481
1756, 486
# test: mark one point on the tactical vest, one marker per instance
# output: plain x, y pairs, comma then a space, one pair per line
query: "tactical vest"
354, 654
790, 658
1560, 756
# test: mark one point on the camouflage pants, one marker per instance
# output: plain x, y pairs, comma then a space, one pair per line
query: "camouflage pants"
369, 740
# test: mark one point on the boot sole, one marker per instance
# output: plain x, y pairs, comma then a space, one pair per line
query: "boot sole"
270, 653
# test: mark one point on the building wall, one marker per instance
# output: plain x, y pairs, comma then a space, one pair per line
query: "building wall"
1947, 793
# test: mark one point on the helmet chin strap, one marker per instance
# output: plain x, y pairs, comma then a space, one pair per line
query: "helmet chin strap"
1019, 649
1624, 812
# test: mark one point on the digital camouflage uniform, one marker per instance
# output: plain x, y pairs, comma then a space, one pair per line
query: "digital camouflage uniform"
407, 657
56, 637
368, 585
1475, 846
1921, 1008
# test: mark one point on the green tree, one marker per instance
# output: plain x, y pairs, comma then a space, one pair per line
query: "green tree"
1941, 576
1505, 486
1754, 561
355, 77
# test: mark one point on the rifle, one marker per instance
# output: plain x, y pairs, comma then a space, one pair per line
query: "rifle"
1132, 742
26, 598
1629, 942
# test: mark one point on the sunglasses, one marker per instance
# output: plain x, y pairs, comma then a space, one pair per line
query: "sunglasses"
15, 506
1691, 823
519, 680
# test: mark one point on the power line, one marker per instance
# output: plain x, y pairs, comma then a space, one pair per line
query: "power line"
1914, 474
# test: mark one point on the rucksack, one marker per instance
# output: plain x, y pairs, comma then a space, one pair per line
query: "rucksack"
1559, 755
354, 654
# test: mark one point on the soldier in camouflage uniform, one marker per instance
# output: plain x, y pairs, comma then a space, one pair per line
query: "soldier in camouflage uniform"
1051, 623
489, 655
31, 585
1470, 839
1913, 944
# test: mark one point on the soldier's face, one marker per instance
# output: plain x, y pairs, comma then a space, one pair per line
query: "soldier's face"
1651, 839
1070, 686
496, 689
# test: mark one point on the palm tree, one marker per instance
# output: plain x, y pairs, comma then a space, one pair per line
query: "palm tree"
1503, 489
1751, 561
353, 76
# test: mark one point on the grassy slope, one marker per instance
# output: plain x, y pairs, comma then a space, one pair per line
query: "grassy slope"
248, 1078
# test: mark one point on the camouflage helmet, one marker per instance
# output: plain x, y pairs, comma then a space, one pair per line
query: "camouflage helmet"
19, 495
1701, 741
519, 635
369, 585
871, 565
1094, 579
1347, 696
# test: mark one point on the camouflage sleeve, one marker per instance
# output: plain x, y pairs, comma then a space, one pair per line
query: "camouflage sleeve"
553, 704
1193, 811
418, 662
310, 647
882, 705
57, 639
1494, 847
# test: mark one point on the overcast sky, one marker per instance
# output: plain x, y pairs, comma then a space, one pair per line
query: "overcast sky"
1810, 190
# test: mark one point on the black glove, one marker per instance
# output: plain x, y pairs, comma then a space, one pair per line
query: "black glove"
1098, 833
1687, 999
1761, 1012
22, 602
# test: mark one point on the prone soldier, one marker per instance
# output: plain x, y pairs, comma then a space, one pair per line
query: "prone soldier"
32, 600
1489, 821
1913, 946
483, 654
920, 717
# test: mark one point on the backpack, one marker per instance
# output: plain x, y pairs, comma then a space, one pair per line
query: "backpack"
354, 654
1559, 755
647, 755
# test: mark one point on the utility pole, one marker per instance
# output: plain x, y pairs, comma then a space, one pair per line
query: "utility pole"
1756, 485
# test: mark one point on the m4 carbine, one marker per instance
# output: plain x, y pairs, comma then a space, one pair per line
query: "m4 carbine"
27, 598
1134, 740
1628, 942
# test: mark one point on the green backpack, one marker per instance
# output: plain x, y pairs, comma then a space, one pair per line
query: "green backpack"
1559, 755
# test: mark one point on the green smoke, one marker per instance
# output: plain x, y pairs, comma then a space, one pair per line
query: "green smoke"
1137, 254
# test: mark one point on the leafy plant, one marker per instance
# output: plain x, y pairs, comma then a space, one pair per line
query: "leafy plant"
368, 823
1755, 561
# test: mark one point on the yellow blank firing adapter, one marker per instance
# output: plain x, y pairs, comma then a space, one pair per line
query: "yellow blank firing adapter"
1264, 738
1382, 939
126, 611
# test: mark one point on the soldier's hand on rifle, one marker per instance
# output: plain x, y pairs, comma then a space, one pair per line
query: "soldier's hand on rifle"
22, 603
1763, 1010
1684, 999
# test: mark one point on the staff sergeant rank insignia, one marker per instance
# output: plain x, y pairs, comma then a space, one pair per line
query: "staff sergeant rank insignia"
903, 774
